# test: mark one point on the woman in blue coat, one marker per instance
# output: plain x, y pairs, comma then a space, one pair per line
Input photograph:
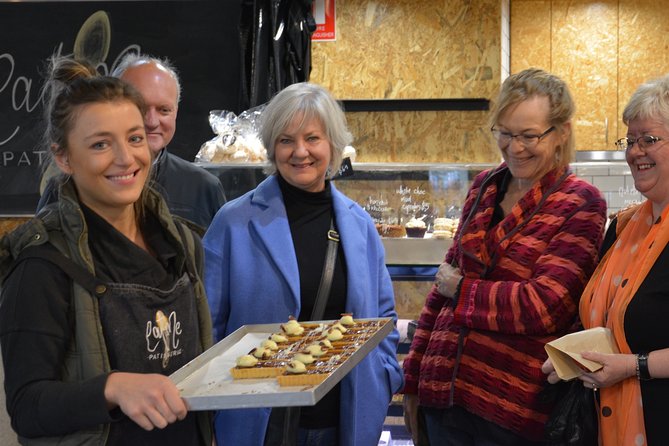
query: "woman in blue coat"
264, 256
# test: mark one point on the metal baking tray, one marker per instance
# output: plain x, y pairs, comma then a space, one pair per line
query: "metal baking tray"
205, 382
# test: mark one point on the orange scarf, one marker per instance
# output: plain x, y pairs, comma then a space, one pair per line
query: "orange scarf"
603, 304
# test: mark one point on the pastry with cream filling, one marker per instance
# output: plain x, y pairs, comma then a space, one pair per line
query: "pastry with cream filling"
315, 349
270, 344
278, 338
292, 327
415, 228
346, 319
249, 367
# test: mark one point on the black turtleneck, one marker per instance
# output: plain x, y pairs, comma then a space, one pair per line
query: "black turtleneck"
309, 215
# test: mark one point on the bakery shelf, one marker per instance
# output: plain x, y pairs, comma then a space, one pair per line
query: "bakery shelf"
415, 251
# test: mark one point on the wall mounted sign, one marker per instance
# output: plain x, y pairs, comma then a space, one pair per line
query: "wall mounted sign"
324, 14
199, 37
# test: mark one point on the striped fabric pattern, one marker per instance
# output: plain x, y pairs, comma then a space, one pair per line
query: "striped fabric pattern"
523, 280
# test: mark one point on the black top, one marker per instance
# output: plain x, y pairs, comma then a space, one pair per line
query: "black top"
309, 216
36, 326
190, 191
118, 260
645, 330
502, 187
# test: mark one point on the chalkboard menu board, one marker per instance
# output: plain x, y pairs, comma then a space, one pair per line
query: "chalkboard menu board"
199, 37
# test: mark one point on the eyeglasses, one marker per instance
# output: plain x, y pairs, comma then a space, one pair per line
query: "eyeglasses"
645, 142
527, 140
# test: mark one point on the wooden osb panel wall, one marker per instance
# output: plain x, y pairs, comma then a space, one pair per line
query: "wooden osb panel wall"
530, 39
584, 53
8, 224
407, 49
399, 49
423, 137
644, 47
589, 44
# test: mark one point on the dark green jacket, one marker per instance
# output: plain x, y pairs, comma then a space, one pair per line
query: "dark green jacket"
62, 225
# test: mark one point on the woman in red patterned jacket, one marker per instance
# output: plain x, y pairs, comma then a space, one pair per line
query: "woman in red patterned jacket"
526, 245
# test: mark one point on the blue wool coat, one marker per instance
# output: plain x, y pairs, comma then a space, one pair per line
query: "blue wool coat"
251, 277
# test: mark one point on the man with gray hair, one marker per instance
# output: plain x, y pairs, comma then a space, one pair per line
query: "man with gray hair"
190, 191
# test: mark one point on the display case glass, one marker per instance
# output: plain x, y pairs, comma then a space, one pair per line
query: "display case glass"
391, 194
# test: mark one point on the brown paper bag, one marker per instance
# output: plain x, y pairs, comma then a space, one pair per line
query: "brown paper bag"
565, 352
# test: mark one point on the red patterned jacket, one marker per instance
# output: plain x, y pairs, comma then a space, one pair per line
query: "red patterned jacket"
483, 350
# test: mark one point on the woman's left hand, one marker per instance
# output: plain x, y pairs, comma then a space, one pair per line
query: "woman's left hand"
615, 368
549, 370
447, 280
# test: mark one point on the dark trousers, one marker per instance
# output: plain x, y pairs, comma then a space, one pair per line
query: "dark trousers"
284, 429
457, 427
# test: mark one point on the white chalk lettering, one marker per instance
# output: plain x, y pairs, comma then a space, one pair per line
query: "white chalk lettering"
25, 93
17, 159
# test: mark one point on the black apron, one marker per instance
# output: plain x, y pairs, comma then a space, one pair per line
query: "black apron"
148, 330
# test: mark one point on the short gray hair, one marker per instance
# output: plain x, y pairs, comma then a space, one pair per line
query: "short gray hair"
310, 101
131, 60
649, 101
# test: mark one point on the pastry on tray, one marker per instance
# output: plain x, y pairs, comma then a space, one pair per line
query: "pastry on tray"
250, 367
299, 373
306, 358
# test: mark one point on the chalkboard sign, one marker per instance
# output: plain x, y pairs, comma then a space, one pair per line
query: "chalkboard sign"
199, 37
400, 201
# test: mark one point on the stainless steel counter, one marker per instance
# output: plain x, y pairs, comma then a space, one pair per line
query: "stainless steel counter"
415, 251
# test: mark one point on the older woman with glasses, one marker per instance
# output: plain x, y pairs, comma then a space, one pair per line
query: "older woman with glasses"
629, 291
527, 242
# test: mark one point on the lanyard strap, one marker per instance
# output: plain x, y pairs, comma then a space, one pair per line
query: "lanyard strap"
328, 273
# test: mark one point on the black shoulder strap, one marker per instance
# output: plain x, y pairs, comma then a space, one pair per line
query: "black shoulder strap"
76, 272
328, 273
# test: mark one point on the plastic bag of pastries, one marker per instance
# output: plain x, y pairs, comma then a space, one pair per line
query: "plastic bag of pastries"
236, 139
